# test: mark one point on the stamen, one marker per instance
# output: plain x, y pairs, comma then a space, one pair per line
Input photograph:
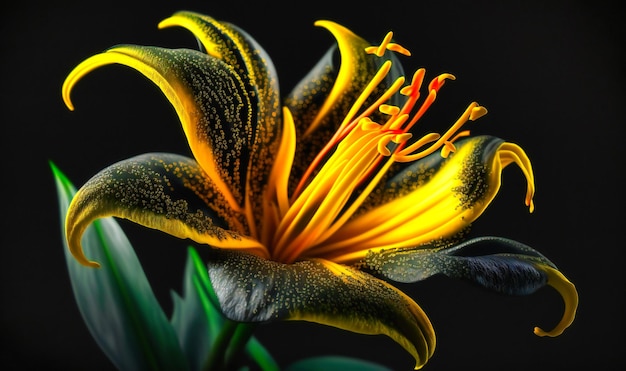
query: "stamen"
395, 124
428, 138
407, 155
433, 88
398, 49
354, 159
416, 83
382, 145
376, 80
380, 49
388, 109
367, 124
438, 81
447, 148
356, 204
350, 122
477, 112
449, 145
388, 45
323, 199
401, 138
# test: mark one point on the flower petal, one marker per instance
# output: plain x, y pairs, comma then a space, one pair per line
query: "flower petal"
499, 264
239, 50
434, 198
322, 100
252, 289
163, 191
213, 103
116, 302
250, 61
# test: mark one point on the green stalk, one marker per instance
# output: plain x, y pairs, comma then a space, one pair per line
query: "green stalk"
231, 340
239, 340
217, 356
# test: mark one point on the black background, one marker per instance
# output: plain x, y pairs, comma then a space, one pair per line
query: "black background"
550, 73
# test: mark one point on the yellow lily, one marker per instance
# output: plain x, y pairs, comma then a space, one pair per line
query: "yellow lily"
312, 205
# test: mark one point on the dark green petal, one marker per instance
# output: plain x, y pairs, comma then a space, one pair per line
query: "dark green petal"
250, 61
215, 107
251, 289
163, 191
321, 101
496, 263
499, 264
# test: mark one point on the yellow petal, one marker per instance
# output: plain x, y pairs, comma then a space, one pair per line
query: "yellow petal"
254, 66
211, 101
429, 203
161, 191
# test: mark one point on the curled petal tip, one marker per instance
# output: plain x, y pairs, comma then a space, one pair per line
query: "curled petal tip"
163, 24
77, 252
531, 206
92, 264
65, 93
570, 298
167, 22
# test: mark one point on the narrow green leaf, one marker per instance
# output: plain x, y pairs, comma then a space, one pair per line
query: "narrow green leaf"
261, 356
116, 301
195, 319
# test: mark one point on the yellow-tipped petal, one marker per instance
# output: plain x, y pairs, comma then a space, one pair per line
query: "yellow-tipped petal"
569, 294
166, 192
426, 204
251, 289
184, 76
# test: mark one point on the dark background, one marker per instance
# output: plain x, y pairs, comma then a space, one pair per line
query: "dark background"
550, 73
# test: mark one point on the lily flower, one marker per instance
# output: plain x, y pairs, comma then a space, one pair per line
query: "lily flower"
312, 205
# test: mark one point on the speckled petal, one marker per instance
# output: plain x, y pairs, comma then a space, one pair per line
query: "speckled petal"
163, 191
321, 101
249, 60
215, 107
251, 289
499, 264
433, 198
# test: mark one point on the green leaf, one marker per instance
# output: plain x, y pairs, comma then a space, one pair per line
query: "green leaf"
195, 319
261, 356
335, 363
116, 301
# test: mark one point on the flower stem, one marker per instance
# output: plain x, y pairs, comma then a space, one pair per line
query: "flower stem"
240, 338
229, 342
